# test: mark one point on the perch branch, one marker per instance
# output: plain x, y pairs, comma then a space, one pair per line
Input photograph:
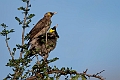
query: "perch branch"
69, 72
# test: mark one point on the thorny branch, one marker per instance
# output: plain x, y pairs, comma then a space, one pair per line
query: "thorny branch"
23, 31
8, 47
69, 72
100, 72
94, 75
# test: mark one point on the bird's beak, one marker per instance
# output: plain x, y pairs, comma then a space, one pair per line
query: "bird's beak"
54, 12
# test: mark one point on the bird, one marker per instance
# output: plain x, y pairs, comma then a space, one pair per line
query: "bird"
52, 37
42, 26
41, 47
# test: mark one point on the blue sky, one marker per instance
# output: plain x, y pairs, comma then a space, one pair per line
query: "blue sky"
89, 33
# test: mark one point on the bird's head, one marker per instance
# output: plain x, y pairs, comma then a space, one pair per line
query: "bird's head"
50, 14
53, 30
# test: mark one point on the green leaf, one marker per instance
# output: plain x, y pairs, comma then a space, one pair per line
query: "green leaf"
83, 77
63, 68
30, 16
27, 10
29, 5
2, 34
20, 22
18, 46
18, 19
12, 30
14, 49
3, 25
28, 21
24, 0
76, 77
8, 77
7, 31
27, 37
21, 8
7, 38
52, 60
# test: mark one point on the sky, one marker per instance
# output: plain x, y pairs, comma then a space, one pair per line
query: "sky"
89, 33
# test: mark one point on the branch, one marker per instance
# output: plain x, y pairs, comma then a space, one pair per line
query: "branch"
8, 47
68, 72
84, 73
23, 32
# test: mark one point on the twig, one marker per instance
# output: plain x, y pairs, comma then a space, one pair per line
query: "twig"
85, 71
23, 32
99, 72
8, 47
94, 75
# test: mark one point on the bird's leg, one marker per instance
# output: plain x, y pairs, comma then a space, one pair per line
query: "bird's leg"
45, 57
46, 37
37, 58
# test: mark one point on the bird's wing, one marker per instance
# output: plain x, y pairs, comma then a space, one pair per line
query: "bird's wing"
43, 23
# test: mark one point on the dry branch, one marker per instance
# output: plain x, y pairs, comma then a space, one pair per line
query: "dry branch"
8, 47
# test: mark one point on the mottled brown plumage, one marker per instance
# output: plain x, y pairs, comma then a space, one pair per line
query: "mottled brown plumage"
42, 26
40, 46
51, 43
